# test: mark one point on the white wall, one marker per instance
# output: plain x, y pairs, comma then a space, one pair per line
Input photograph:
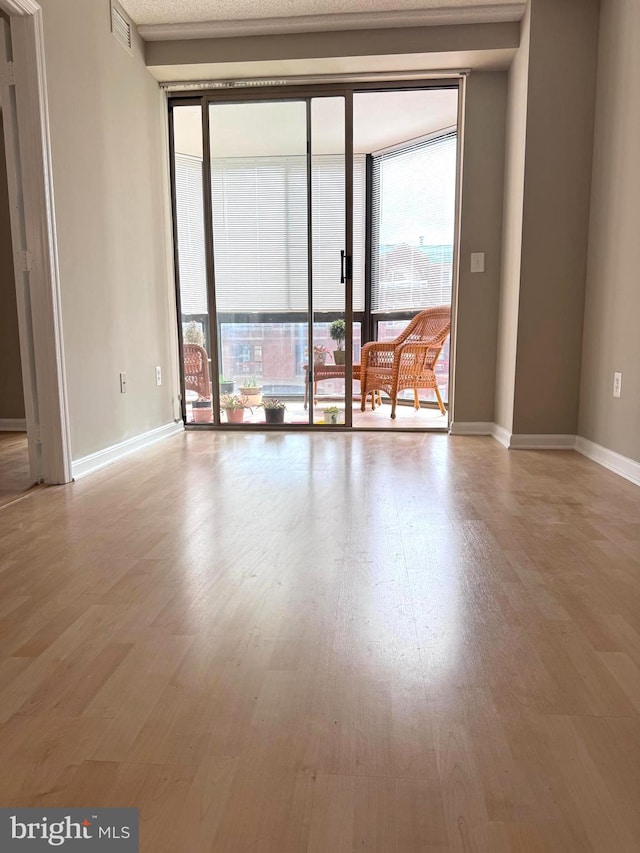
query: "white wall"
108, 173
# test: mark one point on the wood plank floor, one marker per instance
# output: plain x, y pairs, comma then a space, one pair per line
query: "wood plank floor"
14, 467
293, 643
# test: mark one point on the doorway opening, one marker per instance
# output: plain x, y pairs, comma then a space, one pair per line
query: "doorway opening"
311, 228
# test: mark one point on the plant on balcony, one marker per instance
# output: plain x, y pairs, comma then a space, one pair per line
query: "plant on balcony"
331, 415
234, 405
273, 410
319, 354
193, 333
252, 389
226, 385
337, 333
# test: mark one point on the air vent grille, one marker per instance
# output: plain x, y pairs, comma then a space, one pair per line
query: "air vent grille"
121, 28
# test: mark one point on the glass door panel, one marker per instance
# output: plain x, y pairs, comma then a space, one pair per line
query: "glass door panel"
259, 195
330, 263
191, 267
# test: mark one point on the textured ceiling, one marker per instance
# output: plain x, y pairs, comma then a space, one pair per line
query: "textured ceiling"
191, 11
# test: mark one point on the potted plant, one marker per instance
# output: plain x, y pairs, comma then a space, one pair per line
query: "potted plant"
202, 413
226, 385
234, 405
338, 332
192, 333
252, 390
319, 354
273, 410
331, 415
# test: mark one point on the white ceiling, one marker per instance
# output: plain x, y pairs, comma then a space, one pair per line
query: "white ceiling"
242, 130
196, 11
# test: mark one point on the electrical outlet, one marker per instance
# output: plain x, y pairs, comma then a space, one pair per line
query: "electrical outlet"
123, 383
617, 384
477, 262
158, 375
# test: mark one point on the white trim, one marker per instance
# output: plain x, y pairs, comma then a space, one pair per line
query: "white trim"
13, 425
95, 461
46, 304
616, 462
472, 428
447, 16
542, 442
22, 263
40, 325
20, 7
502, 435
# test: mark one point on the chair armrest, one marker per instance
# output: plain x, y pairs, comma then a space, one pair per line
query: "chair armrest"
430, 353
378, 354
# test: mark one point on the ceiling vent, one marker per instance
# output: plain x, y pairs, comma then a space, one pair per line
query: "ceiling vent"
121, 28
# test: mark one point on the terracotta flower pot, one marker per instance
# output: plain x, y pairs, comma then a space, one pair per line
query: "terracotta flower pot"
235, 416
202, 412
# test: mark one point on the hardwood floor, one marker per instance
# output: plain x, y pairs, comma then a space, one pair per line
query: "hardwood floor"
302, 643
14, 467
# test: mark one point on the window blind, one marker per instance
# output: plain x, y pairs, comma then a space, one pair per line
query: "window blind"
190, 228
260, 232
413, 224
328, 217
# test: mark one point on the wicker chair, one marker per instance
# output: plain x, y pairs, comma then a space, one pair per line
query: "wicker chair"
196, 371
408, 361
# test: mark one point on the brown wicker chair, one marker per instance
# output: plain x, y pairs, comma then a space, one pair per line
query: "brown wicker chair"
196, 371
408, 361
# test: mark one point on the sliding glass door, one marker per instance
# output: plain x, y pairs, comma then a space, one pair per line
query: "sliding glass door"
260, 216
307, 224
263, 263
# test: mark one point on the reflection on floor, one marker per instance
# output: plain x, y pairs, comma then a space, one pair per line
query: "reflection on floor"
14, 466
406, 416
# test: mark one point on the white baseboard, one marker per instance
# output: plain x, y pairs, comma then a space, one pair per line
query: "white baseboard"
621, 465
95, 461
511, 441
471, 428
13, 425
502, 435
542, 442
616, 462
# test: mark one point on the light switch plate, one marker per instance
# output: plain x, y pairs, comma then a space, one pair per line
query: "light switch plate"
617, 384
477, 262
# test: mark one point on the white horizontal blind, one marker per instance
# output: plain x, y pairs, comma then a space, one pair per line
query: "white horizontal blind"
260, 232
190, 227
413, 213
328, 217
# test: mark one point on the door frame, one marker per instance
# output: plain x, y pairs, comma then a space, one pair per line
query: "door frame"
346, 89
34, 238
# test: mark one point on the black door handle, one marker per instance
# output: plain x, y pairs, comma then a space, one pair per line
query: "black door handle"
346, 270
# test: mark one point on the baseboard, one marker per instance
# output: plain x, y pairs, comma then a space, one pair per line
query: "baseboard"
95, 461
511, 441
502, 435
542, 442
13, 425
471, 428
616, 462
